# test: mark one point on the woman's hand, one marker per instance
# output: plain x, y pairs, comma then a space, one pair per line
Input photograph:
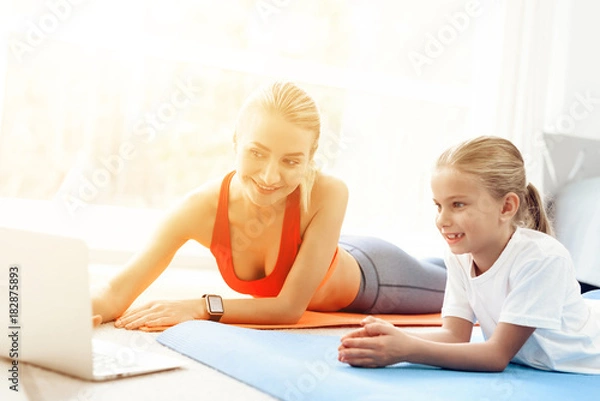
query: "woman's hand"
96, 320
378, 343
161, 313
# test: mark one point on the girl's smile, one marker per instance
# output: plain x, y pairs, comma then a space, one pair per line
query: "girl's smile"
454, 238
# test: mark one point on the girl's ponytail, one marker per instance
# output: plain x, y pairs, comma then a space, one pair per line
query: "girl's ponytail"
537, 218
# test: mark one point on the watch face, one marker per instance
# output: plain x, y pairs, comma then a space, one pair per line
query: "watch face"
215, 304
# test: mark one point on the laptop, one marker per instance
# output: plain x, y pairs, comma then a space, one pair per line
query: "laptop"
45, 305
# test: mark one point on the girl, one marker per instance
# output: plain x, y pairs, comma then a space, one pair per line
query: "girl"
273, 224
505, 271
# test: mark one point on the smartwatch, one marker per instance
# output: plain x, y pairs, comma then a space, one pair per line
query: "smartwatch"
214, 306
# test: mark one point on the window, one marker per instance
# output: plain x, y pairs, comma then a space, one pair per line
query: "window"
131, 105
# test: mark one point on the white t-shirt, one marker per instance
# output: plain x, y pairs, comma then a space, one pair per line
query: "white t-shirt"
531, 284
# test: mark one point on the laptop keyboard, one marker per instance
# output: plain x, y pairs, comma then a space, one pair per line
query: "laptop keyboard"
112, 360
107, 363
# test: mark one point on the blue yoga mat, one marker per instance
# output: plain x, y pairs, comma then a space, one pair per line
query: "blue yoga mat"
595, 294
293, 367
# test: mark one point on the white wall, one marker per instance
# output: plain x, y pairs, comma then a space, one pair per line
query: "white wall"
576, 71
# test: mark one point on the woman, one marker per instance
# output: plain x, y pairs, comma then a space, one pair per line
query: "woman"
273, 225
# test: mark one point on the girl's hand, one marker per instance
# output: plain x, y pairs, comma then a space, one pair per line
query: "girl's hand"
364, 322
371, 319
160, 313
378, 343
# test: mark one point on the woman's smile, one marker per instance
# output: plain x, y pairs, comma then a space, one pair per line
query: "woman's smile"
266, 189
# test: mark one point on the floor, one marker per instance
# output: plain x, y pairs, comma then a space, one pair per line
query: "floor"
192, 382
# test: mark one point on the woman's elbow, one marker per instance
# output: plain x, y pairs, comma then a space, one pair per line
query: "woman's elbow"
287, 319
289, 313
291, 316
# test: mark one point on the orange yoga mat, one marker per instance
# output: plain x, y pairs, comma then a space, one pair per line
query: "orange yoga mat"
311, 320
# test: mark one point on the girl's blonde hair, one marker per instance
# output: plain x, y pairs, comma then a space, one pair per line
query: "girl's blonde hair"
500, 168
293, 104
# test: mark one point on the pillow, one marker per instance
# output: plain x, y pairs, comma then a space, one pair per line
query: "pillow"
569, 159
577, 226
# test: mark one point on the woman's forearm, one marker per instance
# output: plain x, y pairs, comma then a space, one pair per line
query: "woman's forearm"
261, 311
115, 296
107, 303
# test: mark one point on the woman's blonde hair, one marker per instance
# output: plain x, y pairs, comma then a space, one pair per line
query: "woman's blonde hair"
293, 104
500, 168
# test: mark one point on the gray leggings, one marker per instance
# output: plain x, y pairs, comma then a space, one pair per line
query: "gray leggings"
392, 280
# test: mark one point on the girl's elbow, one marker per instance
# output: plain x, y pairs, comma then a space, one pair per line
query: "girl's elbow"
498, 368
498, 364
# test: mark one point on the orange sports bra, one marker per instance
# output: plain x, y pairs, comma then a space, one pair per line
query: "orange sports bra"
220, 247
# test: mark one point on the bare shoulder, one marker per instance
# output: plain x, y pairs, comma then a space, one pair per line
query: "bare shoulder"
203, 198
328, 189
194, 213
